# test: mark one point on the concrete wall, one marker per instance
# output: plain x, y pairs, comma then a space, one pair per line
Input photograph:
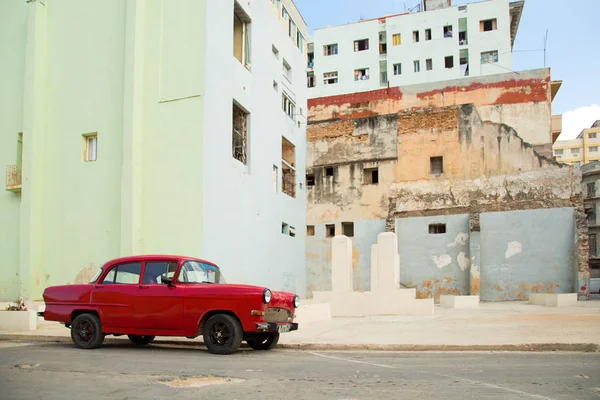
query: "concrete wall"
318, 255
243, 212
434, 264
529, 251
521, 101
408, 51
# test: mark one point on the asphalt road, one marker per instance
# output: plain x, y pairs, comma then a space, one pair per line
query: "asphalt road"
60, 371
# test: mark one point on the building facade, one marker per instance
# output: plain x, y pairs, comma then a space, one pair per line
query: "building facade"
591, 191
179, 130
440, 43
580, 151
451, 169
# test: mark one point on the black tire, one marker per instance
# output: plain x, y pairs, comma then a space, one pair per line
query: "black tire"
263, 341
222, 334
86, 331
141, 340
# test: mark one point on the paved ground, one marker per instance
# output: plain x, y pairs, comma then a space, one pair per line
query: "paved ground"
60, 371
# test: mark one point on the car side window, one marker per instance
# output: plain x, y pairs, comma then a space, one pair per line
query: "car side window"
196, 272
123, 274
155, 271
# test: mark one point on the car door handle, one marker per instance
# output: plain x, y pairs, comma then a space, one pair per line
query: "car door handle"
144, 287
99, 286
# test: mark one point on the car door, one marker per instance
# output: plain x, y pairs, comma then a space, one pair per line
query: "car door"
158, 306
114, 295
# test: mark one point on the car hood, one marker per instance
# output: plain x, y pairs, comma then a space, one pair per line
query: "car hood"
278, 299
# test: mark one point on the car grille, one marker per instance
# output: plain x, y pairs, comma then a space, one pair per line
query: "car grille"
277, 315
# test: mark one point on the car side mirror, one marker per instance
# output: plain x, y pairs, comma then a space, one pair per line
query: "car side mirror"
167, 281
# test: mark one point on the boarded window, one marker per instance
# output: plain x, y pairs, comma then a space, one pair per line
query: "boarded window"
330, 230
239, 133
436, 165
488, 25
310, 230
437, 229
348, 229
370, 176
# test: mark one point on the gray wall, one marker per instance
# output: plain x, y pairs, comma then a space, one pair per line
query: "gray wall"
318, 255
525, 252
434, 263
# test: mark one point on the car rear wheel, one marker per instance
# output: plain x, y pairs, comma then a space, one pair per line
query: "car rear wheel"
263, 341
222, 334
141, 340
86, 331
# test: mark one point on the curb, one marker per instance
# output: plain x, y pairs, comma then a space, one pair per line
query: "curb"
529, 347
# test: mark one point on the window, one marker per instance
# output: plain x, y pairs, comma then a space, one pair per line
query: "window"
415, 36
429, 64
328, 171
417, 65
488, 25
275, 51
398, 69
348, 229
448, 31
310, 79
239, 133
292, 29
300, 42
462, 8
330, 49
383, 77
275, 85
154, 272
449, 61
275, 178
197, 272
591, 219
287, 105
310, 180
427, 34
593, 244
330, 78
558, 152
292, 231
288, 167
592, 135
577, 164
593, 148
437, 229
241, 35
123, 274
361, 45
361, 74
591, 190
489, 57
396, 39
575, 151
310, 230
371, 176
436, 165
330, 230
287, 70
91, 147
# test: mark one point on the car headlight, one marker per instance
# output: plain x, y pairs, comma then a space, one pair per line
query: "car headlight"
296, 301
266, 296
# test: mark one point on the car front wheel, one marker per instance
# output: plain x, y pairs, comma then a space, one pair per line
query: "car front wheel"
222, 334
263, 341
86, 331
141, 340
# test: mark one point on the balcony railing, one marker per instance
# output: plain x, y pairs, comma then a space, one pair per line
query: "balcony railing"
14, 178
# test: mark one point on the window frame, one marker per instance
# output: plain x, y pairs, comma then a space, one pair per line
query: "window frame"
116, 274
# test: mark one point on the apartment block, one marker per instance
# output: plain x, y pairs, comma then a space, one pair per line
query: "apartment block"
438, 43
582, 150
179, 130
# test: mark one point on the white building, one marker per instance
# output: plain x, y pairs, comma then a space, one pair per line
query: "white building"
437, 44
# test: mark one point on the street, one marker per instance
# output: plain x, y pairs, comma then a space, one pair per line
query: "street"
121, 371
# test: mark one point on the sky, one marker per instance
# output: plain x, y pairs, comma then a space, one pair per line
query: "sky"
572, 52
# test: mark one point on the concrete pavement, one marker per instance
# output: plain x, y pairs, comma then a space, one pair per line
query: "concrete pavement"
492, 326
122, 371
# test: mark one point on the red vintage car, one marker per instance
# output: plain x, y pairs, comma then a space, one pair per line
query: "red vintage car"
148, 296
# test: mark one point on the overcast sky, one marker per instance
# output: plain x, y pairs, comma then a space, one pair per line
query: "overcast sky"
573, 50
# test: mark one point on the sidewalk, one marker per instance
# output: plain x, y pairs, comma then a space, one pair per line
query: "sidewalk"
494, 326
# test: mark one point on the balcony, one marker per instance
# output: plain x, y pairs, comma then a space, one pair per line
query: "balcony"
556, 127
14, 178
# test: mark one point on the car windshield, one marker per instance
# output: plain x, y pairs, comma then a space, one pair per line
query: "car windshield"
198, 272
96, 276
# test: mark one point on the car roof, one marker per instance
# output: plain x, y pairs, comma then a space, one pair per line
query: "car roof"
155, 257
